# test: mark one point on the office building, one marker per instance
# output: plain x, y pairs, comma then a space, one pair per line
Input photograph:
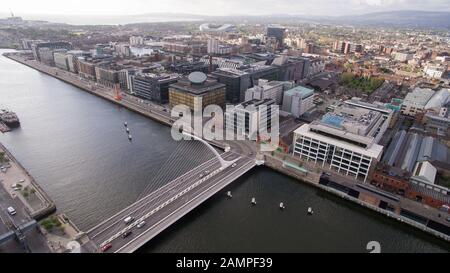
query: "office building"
239, 80
268, 90
236, 82
153, 86
189, 90
136, 40
213, 45
45, 48
292, 69
248, 117
277, 32
61, 60
345, 140
298, 100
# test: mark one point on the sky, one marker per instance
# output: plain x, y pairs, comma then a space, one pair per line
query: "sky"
216, 7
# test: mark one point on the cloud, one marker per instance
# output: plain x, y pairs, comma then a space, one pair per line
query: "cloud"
219, 7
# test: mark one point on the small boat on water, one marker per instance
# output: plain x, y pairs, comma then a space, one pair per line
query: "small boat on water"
282, 206
253, 201
310, 211
229, 194
9, 118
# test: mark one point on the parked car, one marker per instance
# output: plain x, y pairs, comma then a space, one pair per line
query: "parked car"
11, 211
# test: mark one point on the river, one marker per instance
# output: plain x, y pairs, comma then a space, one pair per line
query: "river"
74, 144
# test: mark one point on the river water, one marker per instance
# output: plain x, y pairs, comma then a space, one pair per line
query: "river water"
74, 144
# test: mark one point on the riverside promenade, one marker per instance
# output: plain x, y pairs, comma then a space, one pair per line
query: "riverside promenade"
21, 185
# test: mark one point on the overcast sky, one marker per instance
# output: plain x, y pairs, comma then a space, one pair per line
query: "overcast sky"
217, 7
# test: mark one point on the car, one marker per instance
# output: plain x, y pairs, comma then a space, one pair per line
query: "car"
105, 247
233, 165
141, 224
128, 220
201, 175
126, 234
11, 211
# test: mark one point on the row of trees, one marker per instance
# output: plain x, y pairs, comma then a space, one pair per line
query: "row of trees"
365, 84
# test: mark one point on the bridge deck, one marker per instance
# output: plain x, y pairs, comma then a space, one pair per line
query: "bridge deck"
167, 204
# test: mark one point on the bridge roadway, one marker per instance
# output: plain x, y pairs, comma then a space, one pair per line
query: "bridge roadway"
166, 205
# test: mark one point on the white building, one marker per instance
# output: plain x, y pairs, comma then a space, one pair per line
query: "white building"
435, 71
61, 60
268, 90
345, 141
298, 100
416, 100
136, 40
246, 118
214, 47
424, 171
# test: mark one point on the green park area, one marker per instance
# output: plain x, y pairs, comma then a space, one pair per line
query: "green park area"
365, 84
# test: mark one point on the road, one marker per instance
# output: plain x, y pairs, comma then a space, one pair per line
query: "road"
36, 242
167, 204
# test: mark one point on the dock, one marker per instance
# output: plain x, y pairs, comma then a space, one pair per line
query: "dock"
42, 204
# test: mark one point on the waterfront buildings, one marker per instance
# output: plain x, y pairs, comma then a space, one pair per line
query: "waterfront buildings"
188, 92
298, 100
61, 60
153, 86
345, 140
43, 51
86, 68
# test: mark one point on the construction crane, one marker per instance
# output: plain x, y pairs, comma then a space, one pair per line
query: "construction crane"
117, 93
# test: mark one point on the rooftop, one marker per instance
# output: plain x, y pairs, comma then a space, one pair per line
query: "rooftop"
373, 151
418, 96
197, 89
300, 90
